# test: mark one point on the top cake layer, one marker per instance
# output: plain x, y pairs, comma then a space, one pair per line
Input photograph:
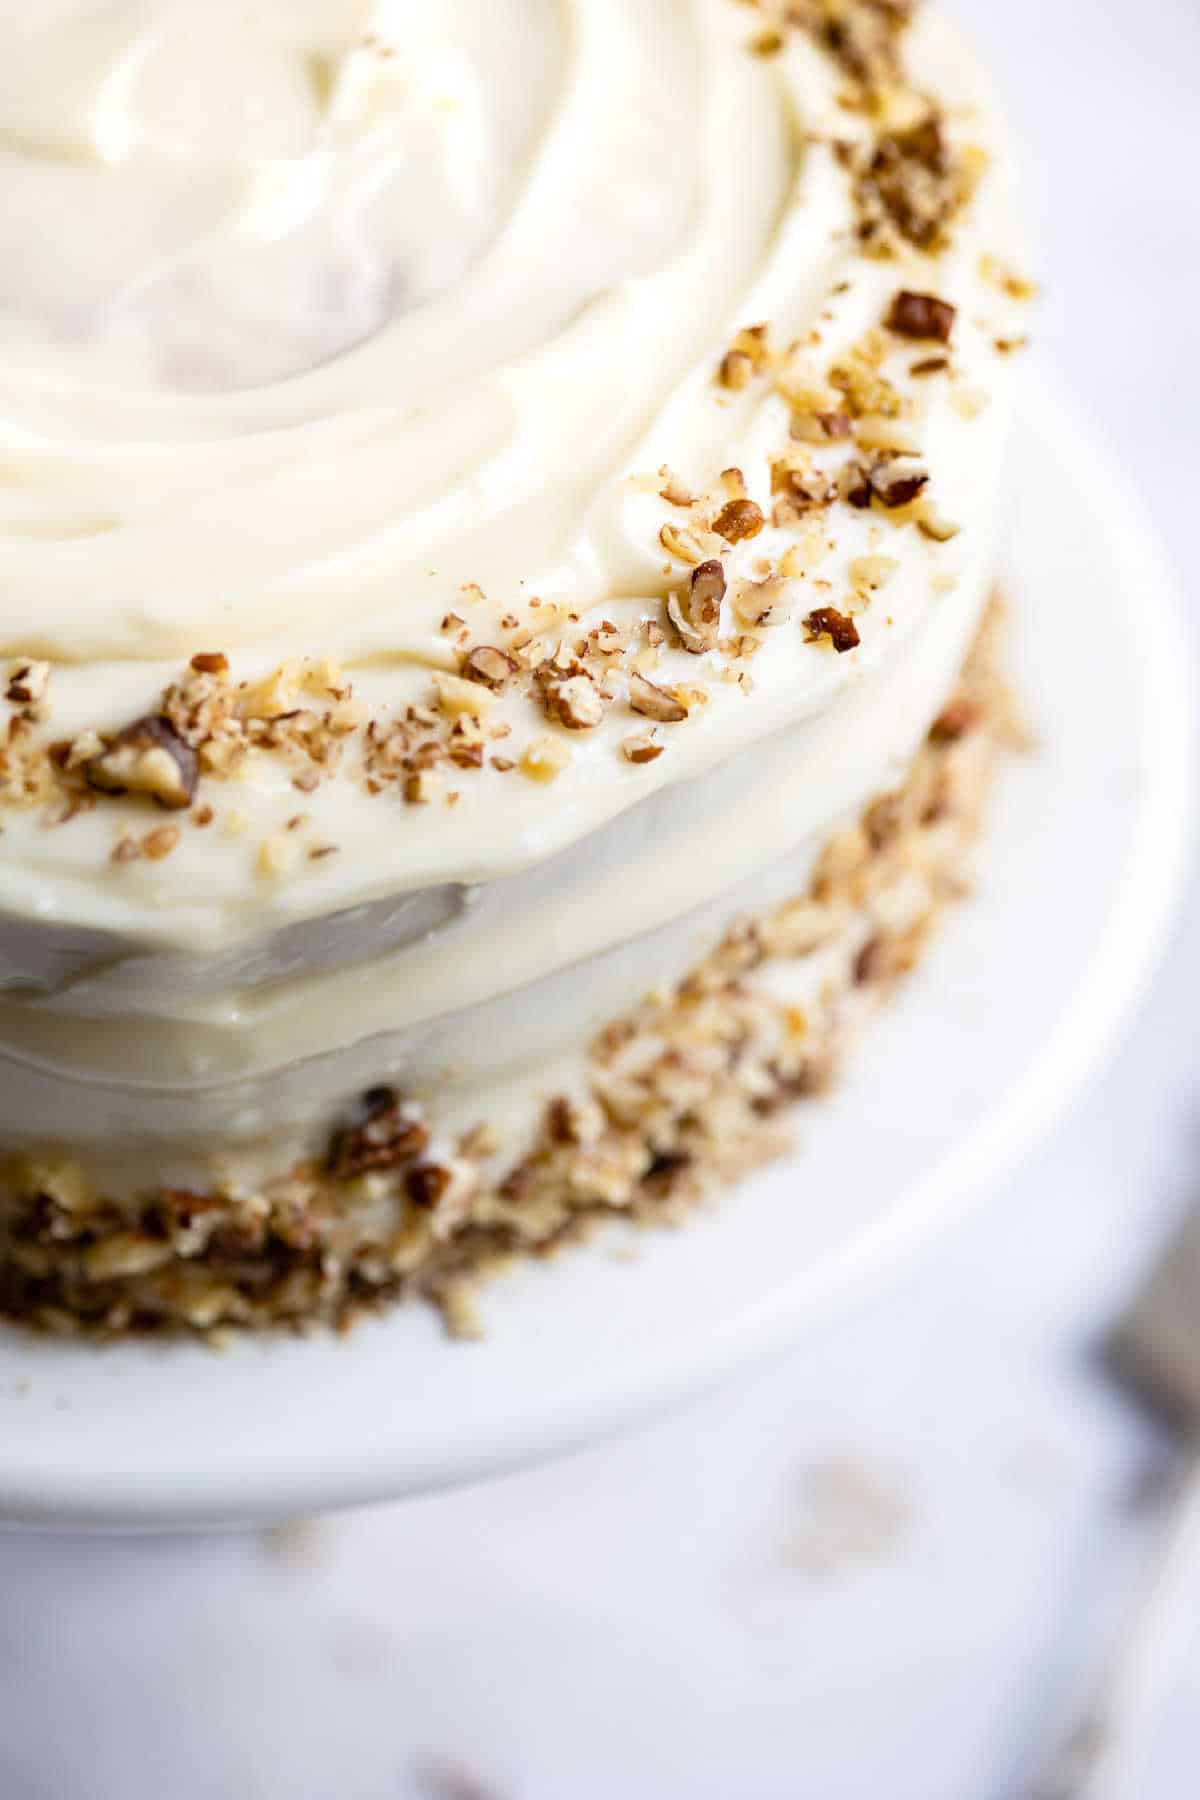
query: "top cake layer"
427, 432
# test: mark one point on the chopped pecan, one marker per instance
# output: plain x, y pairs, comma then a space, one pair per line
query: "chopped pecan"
384, 1135
210, 662
854, 485
27, 683
576, 702
574, 1122
420, 786
828, 622
643, 748
898, 484
148, 757
735, 371
673, 490
835, 425
545, 759
913, 184
747, 355
767, 43
892, 482
456, 696
688, 545
696, 615
886, 436
160, 842
934, 525
654, 702
738, 520
921, 316
489, 665
806, 489
427, 1183
762, 603
884, 959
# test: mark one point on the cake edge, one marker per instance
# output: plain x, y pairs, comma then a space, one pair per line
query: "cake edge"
686, 1093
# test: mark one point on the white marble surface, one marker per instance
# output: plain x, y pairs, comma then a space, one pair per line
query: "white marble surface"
875, 1566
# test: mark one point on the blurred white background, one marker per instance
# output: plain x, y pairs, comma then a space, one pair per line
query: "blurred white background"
878, 1566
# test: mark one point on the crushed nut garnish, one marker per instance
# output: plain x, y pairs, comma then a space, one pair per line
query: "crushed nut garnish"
160, 843
866, 392
489, 665
910, 185
384, 1134
892, 436
898, 484
738, 520
276, 856
854, 485
545, 759
837, 626
27, 683
688, 545
746, 357
798, 491
456, 696
759, 604
696, 615
576, 702
654, 702
420, 787
914, 315
427, 1183
148, 757
674, 491
642, 748
934, 525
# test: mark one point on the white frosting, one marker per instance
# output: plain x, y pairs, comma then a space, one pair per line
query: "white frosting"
355, 304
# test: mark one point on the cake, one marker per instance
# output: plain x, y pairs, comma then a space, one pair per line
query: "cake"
498, 513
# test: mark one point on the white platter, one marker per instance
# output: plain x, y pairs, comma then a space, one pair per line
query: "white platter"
1018, 1005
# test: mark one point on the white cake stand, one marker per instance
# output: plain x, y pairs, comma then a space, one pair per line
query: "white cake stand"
1015, 1009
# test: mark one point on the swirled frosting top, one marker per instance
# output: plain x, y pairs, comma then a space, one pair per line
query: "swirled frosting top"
425, 430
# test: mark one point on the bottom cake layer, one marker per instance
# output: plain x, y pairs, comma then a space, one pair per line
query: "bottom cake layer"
679, 1095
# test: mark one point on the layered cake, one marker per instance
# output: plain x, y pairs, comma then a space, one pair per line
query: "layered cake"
497, 515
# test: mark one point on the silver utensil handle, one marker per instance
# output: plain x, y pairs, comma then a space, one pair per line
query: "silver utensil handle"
1106, 1753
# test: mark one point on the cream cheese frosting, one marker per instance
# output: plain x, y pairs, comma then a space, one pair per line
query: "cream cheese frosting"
373, 334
